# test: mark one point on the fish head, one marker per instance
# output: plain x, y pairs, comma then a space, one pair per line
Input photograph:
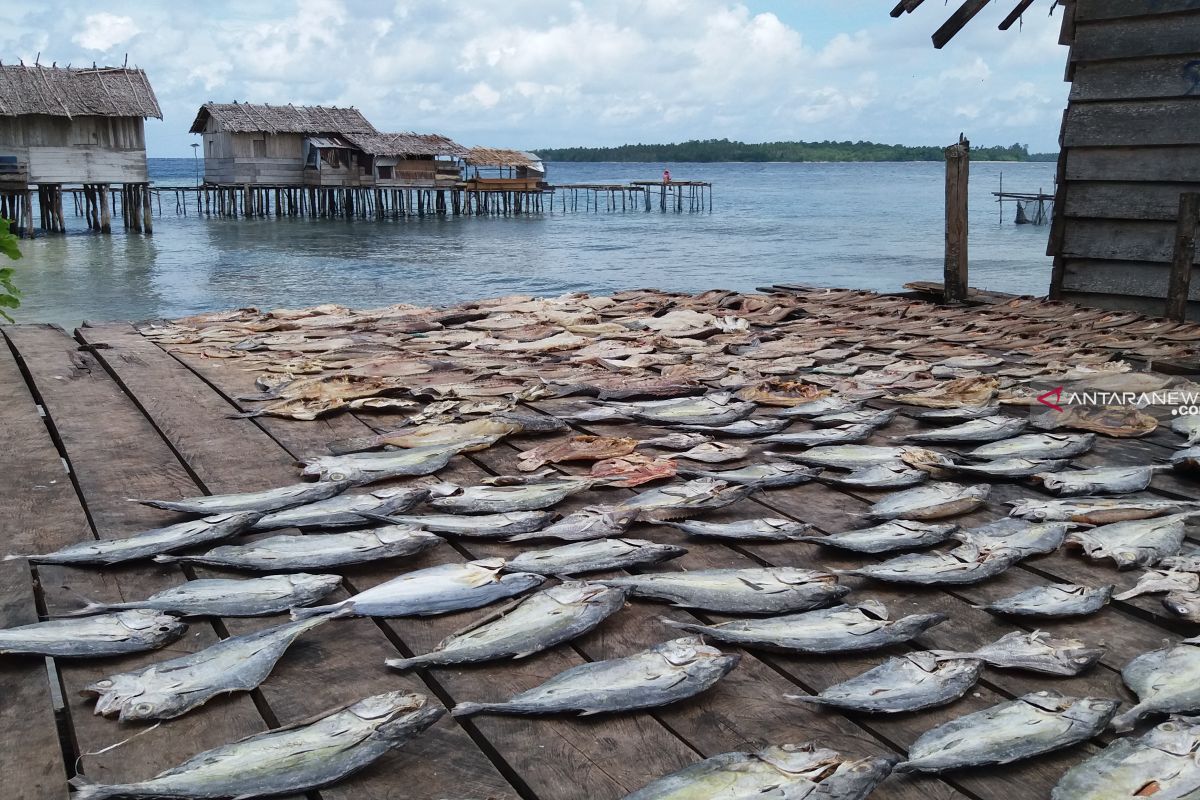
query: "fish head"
686, 650
801, 759
388, 706
151, 706
145, 621
114, 692
1073, 654
795, 576
1179, 736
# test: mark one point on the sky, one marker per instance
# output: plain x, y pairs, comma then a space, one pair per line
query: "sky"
551, 73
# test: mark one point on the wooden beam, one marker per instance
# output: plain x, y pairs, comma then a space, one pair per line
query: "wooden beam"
906, 7
958, 161
1015, 14
1184, 255
958, 19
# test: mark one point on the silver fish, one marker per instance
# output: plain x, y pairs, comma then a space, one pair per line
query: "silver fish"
676, 441
1053, 600
769, 529
1028, 538
364, 468
935, 501
839, 434
1010, 467
1134, 543
666, 673
477, 526
821, 406
1097, 510
345, 510
1184, 562
840, 629
503, 499
321, 551
590, 522
911, 682
229, 597
897, 475
287, 760
1186, 460
679, 501
1162, 762
855, 456
1166, 681
539, 622
738, 591
964, 564
148, 544
1035, 652
434, 590
264, 502
984, 429
714, 409
866, 416
766, 476
1157, 580
1188, 426
715, 452
103, 635
172, 688
1099, 480
594, 556
1036, 723
963, 414
1183, 604
1037, 445
895, 535
743, 428
786, 771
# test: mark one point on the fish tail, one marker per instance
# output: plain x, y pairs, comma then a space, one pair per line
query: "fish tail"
1123, 723
13, 557
905, 766
470, 709
92, 608
88, 789
804, 698
690, 627
343, 609
405, 663
343, 447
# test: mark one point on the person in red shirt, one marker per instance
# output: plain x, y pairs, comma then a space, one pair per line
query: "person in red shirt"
666, 176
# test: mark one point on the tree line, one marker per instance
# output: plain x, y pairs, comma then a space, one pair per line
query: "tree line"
710, 150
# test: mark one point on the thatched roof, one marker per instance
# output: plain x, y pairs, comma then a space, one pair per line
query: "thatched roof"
74, 92
263, 118
399, 145
494, 157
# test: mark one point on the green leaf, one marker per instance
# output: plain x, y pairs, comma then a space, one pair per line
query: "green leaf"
8, 246
6, 316
8, 301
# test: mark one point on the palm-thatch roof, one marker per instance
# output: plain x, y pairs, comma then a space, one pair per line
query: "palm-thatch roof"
265, 118
401, 145
495, 157
76, 92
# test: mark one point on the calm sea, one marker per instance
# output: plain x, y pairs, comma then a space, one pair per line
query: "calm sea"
864, 225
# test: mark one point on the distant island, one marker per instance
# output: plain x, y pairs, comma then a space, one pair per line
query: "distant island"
709, 150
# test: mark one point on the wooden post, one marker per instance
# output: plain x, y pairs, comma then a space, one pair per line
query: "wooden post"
1184, 256
105, 219
147, 210
958, 161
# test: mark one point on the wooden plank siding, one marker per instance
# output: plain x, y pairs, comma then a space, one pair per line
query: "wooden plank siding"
1130, 144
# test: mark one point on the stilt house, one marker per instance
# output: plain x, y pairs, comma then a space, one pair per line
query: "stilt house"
410, 159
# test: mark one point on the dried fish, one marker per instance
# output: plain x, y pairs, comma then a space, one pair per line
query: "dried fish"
477, 526
786, 771
765, 476
345, 510
717, 408
434, 590
1160, 763
680, 501
1053, 600
856, 456
822, 406
1134, 543
477, 431
1036, 446
782, 393
963, 565
1188, 426
1097, 510
765, 590
575, 448
895, 535
634, 470
226, 597
503, 499
148, 544
1035, 723
1183, 604
289, 760
1027, 538
1117, 422
264, 502
1099, 480
912, 682
839, 434
1166, 681
364, 468
984, 429
1186, 460
1157, 580
866, 416
930, 502
956, 393
323, 551
539, 622
676, 441
1010, 467
840, 629
768, 529
594, 556
896, 475
1035, 652
590, 522
714, 453
663, 674
93, 637
961, 414
170, 689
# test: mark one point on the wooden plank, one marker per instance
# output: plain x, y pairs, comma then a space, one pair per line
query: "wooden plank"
1091, 10
1119, 240
1165, 164
950, 28
1137, 37
1133, 124
1183, 254
340, 663
1140, 305
1136, 79
1015, 14
38, 508
1133, 278
1120, 200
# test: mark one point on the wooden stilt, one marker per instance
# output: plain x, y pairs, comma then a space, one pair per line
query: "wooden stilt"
958, 161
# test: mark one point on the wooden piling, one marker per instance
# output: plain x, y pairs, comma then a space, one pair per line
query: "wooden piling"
1184, 255
958, 160
105, 219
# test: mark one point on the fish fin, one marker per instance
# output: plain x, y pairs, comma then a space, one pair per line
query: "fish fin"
588, 712
92, 607
525, 654
88, 789
384, 518
468, 709
1123, 723
404, 663
903, 766
690, 627
804, 698
359, 444
342, 609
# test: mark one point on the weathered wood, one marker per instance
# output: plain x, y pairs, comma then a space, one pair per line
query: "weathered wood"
1121, 200
1121, 240
1137, 37
964, 14
1132, 278
1135, 124
1183, 255
1166, 164
958, 165
1091, 10
1141, 79
1015, 14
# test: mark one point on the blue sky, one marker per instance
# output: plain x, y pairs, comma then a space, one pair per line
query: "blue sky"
533, 73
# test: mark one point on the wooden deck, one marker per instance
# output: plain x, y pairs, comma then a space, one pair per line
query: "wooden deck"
87, 422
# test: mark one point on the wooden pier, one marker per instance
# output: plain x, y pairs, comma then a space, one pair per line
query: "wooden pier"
90, 420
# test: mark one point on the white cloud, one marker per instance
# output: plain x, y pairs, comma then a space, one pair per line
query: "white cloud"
105, 31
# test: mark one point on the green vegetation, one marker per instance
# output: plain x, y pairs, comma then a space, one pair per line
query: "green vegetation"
9, 296
709, 150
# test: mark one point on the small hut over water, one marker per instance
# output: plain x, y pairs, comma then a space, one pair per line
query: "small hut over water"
251, 144
75, 126
493, 169
410, 159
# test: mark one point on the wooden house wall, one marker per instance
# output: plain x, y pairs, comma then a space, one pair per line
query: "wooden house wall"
76, 149
234, 158
1130, 145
